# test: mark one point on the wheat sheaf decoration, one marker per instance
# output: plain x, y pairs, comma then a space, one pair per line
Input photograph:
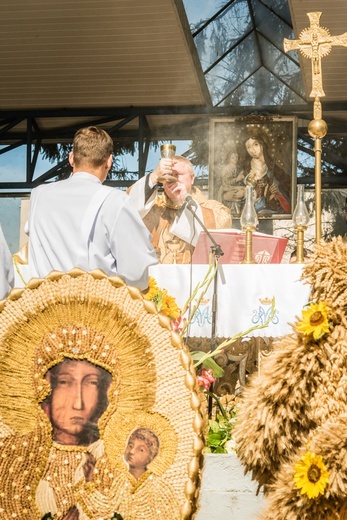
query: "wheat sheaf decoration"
88, 343
291, 427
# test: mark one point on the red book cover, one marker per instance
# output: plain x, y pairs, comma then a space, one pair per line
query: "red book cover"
266, 249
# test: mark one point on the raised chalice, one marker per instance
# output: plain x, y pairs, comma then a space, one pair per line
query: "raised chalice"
167, 151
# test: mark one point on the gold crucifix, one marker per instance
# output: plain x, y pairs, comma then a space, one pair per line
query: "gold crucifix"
315, 43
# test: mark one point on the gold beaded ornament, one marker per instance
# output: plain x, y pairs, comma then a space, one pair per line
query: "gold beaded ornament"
91, 318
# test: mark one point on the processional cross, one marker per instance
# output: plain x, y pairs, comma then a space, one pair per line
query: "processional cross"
315, 43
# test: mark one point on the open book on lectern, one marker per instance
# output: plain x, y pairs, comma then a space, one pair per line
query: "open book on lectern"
266, 249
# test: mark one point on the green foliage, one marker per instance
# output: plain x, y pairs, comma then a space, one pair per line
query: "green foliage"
58, 152
208, 363
219, 437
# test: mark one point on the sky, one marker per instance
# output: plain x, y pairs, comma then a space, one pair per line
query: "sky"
13, 168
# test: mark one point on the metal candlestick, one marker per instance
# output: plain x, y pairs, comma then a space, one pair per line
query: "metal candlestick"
301, 219
249, 238
249, 222
300, 257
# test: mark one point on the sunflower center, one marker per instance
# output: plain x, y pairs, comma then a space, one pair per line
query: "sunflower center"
314, 473
316, 318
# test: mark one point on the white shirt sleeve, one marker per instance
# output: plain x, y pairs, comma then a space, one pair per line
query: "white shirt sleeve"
6, 268
137, 195
131, 245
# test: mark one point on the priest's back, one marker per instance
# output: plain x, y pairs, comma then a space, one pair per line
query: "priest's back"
80, 223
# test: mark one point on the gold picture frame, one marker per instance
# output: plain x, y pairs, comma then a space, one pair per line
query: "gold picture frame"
255, 150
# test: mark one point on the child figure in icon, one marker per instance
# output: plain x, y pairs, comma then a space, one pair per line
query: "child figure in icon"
232, 190
137, 492
142, 448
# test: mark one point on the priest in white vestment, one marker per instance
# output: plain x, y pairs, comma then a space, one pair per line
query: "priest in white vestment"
6, 268
170, 216
78, 222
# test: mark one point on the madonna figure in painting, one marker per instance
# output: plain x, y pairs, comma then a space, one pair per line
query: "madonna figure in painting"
270, 182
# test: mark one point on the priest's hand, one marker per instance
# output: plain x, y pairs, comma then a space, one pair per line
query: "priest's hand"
162, 172
176, 192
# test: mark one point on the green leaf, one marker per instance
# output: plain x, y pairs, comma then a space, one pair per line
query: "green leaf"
214, 425
196, 354
217, 371
219, 449
214, 439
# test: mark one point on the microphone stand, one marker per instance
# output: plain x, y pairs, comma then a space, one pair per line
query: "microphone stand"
217, 252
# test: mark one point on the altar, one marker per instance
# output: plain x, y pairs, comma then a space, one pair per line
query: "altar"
243, 296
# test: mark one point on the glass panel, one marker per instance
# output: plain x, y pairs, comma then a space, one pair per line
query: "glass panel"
280, 7
281, 66
262, 88
10, 209
199, 12
271, 25
223, 33
233, 70
223, 37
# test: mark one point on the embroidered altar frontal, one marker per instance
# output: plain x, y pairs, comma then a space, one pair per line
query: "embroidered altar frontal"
100, 414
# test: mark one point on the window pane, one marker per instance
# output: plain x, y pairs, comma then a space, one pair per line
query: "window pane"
281, 66
233, 70
199, 11
262, 88
223, 33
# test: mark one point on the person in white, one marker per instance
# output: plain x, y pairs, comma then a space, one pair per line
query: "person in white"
78, 222
6, 268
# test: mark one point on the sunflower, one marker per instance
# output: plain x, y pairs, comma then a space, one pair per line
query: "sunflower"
169, 306
152, 290
311, 475
315, 320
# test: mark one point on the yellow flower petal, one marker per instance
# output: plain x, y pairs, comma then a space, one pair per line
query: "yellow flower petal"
311, 475
152, 289
165, 303
315, 320
169, 307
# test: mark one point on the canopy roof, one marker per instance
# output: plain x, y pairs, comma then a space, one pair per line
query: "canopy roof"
157, 69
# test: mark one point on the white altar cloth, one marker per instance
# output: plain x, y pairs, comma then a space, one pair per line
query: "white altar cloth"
242, 294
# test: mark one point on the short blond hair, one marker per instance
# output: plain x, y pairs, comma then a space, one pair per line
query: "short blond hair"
92, 146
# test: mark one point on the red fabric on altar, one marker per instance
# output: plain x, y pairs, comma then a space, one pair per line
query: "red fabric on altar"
266, 249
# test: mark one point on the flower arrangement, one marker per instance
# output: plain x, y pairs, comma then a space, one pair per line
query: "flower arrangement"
290, 430
311, 475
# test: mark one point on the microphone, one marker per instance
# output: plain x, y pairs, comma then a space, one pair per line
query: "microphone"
190, 202
192, 206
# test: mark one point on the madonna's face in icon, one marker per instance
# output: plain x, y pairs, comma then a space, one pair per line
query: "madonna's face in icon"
254, 148
73, 407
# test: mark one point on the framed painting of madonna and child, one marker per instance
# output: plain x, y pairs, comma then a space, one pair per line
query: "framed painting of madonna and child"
256, 151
